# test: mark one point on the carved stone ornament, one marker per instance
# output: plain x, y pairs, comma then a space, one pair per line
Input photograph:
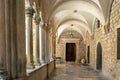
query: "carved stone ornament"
36, 18
29, 9
107, 28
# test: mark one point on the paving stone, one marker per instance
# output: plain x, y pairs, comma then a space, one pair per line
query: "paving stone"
76, 72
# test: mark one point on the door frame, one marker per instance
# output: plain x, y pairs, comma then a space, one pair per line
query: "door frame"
76, 41
74, 53
88, 54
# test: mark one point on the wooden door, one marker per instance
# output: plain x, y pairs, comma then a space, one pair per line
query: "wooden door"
70, 52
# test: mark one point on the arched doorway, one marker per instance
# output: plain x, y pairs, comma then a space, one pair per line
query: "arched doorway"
99, 57
70, 52
88, 54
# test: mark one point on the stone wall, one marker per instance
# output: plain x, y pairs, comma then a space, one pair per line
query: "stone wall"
108, 40
60, 50
43, 72
65, 38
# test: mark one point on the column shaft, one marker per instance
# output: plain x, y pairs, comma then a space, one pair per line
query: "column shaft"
20, 39
8, 40
2, 35
15, 39
47, 58
37, 21
54, 47
29, 42
29, 36
41, 45
37, 62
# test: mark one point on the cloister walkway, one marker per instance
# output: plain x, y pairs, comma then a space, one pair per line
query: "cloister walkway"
72, 71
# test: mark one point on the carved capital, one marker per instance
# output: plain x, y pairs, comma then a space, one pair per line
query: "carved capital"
29, 9
107, 27
36, 18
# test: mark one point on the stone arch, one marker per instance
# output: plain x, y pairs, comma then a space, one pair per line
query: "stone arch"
109, 13
62, 28
75, 21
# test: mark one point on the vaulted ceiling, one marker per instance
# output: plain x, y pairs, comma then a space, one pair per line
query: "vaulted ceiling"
79, 15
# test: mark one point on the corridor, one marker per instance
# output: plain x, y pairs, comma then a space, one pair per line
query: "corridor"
37, 34
72, 71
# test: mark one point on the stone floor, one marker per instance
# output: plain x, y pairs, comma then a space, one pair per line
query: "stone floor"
74, 71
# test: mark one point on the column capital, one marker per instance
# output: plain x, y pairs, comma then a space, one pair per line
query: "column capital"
29, 9
36, 18
41, 24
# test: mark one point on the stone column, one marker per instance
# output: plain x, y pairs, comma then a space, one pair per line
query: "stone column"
47, 59
19, 28
54, 47
15, 38
29, 39
43, 43
51, 52
37, 56
12, 39
2, 35
42, 48
8, 39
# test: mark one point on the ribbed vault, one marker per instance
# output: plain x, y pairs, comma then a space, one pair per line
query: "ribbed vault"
80, 13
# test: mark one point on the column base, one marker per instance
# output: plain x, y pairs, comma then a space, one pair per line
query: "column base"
30, 66
47, 60
37, 64
51, 59
42, 62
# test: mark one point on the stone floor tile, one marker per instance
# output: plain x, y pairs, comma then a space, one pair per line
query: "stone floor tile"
75, 72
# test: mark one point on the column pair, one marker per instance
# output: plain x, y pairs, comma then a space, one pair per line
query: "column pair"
30, 15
